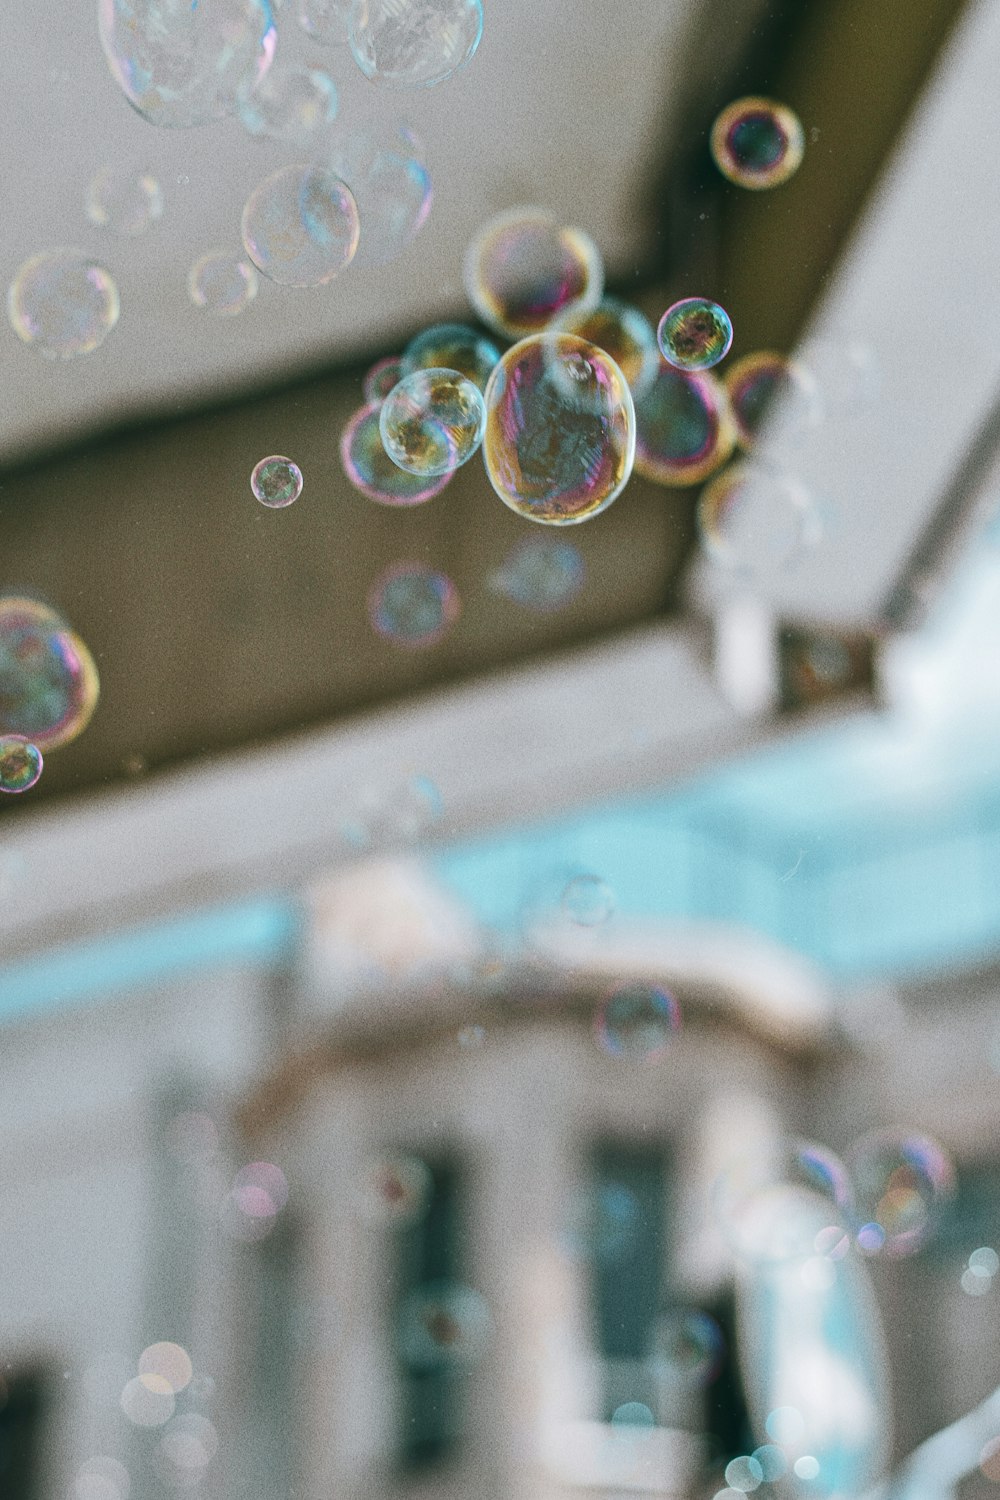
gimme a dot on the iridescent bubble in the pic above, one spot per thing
(48, 680)
(684, 430)
(765, 389)
(543, 574)
(432, 422)
(170, 1362)
(222, 284)
(757, 143)
(413, 44)
(412, 605)
(452, 346)
(392, 187)
(621, 331)
(588, 900)
(276, 481)
(689, 1344)
(290, 104)
(443, 1326)
(301, 226)
(903, 1184)
(755, 520)
(63, 303)
(772, 1203)
(126, 202)
(694, 334)
(324, 20)
(181, 63)
(524, 269)
(560, 429)
(637, 1022)
(382, 378)
(394, 1189)
(260, 1190)
(20, 763)
(370, 469)
(148, 1401)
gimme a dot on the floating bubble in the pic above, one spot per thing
(786, 1426)
(413, 44)
(148, 1401)
(20, 763)
(637, 1022)
(432, 422)
(690, 1347)
(412, 605)
(769, 390)
(452, 346)
(694, 334)
(276, 481)
(63, 303)
(187, 1447)
(542, 574)
(588, 900)
(170, 1362)
(324, 20)
(258, 1194)
(291, 104)
(903, 1185)
(560, 429)
(773, 1463)
(756, 520)
(48, 680)
(222, 284)
(771, 1204)
(632, 1414)
(985, 1262)
(181, 63)
(684, 430)
(744, 1474)
(372, 471)
(621, 331)
(301, 226)
(394, 1189)
(100, 1478)
(524, 269)
(382, 378)
(806, 1467)
(443, 1326)
(757, 143)
(392, 187)
(126, 202)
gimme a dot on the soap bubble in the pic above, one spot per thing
(773, 1462)
(744, 1474)
(187, 1447)
(324, 20)
(251, 1207)
(694, 334)
(452, 346)
(903, 1183)
(170, 1361)
(126, 202)
(387, 174)
(767, 390)
(370, 469)
(621, 331)
(394, 1189)
(301, 226)
(20, 763)
(222, 284)
(757, 143)
(588, 900)
(100, 1478)
(684, 430)
(432, 422)
(756, 520)
(443, 1326)
(382, 378)
(412, 605)
(560, 429)
(413, 44)
(182, 64)
(289, 104)
(774, 1204)
(276, 481)
(632, 1414)
(524, 269)
(48, 680)
(637, 1022)
(148, 1401)
(63, 303)
(542, 574)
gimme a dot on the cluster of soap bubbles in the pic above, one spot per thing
(772, 1461)
(49, 688)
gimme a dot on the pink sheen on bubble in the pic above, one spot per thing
(372, 472)
(413, 606)
(684, 429)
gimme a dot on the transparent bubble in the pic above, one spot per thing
(260, 1190)
(757, 143)
(684, 429)
(392, 187)
(694, 334)
(806, 1467)
(20, 763)
(222, 284)
(370, 469)
(689, 1346)
(768, 391)
(443, 1326)
(324, 20)
(753, 519)
(975, 1282)
(560, 429)
(291, 104)
(168, 1361)
(186, 1448)
(301, 226)
(432, 422)
(621, 331)
(632, 1414)
(637, 1022)
(903, 1184)
(413, 44)
(588, 900)
(382, 378)
(985, 1261)
(772, 1203)
(542, 574)
(276, 481)
(452, 346)
(772, 1461)
(182, 64)
(394, 1189)
(412, 605)
(524, 269)
(126, 202)
(100, 1478)
(62, 303)
(148, 1401)
(48, 680)
(744, 1474)
(785, 1425)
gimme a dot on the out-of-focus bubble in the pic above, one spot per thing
(412, 605)
(621, 331)
(772, 1461)
(755, 520)
(768, 390)
(524, 269)
(251, 1207)
(301, 226)
(688, 1346)
(757, 143)
(413, 44)
(432, 422)
(291, 104)
(632, 1414)
(126, 202)
(786, 1426)
(744, 1474)
(772, 1203)
(394, 1189)
(100, 1478)
(168, 1361)
(588, 900)
(684, 429)
(694, 334)
(382, 378)
(324, 20)
(985, 1262)
(471, 1038)
(903, 1184)
(560, 429)
(806, 1467)
(443, 1326)
(975, 1282)
(20, 763)
(542, 574)
(185, 1450)
(637, 1022)
(388, 176)
(181, 63)
(452, 346)
(148, 1401)
(276, 481)
(48, 680)
(222, 284)
(62, 303)
(989, 1460)
(370, 469)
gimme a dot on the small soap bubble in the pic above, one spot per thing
(588, 900)
(125, 202)
(222, 284)
(170, 1362)
(621, 331)
(524, 269)
(276, 481)
(187, 1447)
(301, 226)
(632, 1414)
(413, 44)
(382, 378)
(372, 472)
(62, 303)
(560, 429)
(806, 1467)
(432, 422)
(757, 143)
(772, 1461)
(689, 1347)
(392, 187)
(324, 20)
(49, 686)
(744, 1474)
(148, 1401)
(412, 605)
(291, 104)
(637, 1022)
(904, 1184)
(443, 1326)
(694, 334)
(771, 393)
(452, 346)
(543, 574)
(684, 429)
(394, 1189)
(20, 763)
(771, 1204)
(756, 520)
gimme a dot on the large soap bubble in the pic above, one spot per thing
(48, 680)
(289, 104)
(301, 226)
(62, 303)
(413, 44)
(684, 429)
(523, 270)
(388, 176)
(432, 422)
